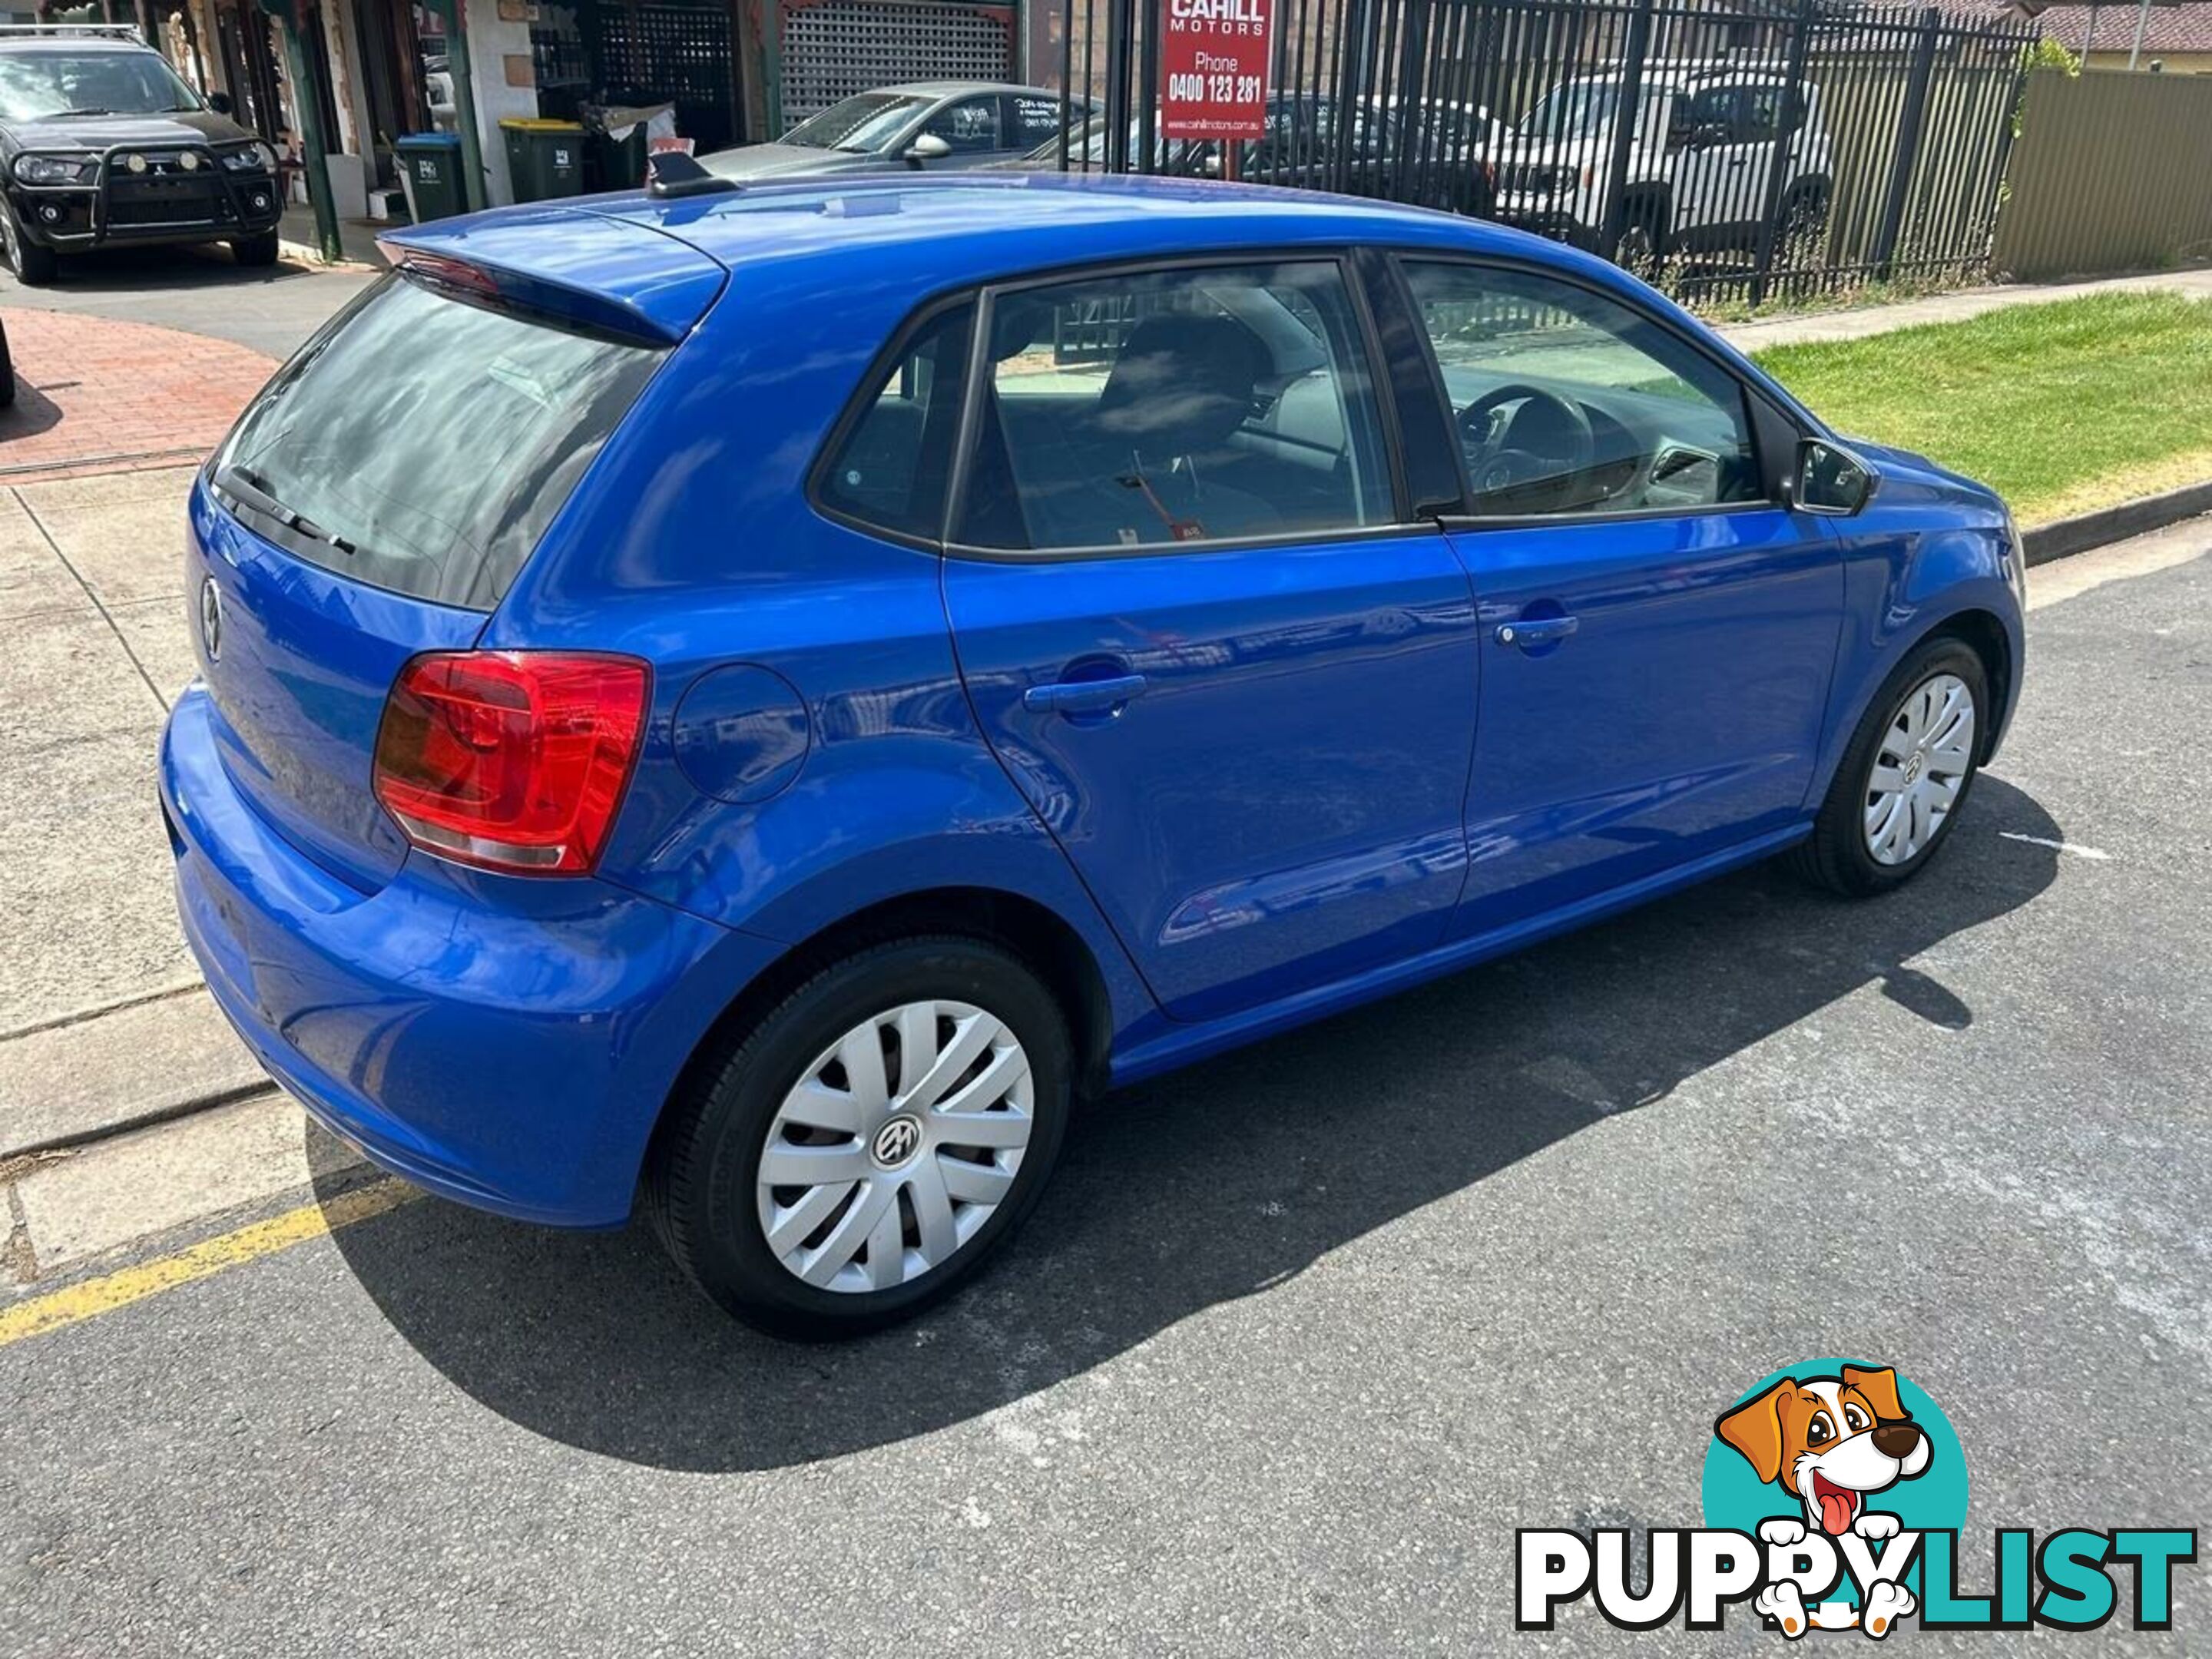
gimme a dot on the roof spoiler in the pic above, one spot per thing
(670, 173)
(529, 291)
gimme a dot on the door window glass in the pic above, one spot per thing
(1567, 402)
(889, 471)
(1148, 409)
(1710, 114)
(970, 126)
(1760, 114)
(1036, 120)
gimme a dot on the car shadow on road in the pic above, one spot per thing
(31, 413)
(130, 270)
(1212, 1184)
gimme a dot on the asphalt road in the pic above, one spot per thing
(1299, 1338)
(198, 290)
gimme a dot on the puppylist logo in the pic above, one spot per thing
(1834, 1493)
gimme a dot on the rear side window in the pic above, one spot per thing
(423, 442)
(889, 471)
(1153, 408)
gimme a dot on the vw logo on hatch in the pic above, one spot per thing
(211, 618)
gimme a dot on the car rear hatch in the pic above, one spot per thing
(380, 494)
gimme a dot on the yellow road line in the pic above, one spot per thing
(94, 1296)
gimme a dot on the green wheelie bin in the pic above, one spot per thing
(544, 159)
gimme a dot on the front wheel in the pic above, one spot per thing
(870, 1143)
(1637, 249)
(255, 252)
(35, 265)
(1906, 776)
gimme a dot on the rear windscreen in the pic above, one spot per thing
(423, 442)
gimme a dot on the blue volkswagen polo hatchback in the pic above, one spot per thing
(748, 704)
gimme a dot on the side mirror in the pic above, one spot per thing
(928, 148)
(1830, 480)
(219, 103)
(1706, 136)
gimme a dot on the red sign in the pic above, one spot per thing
(1213, 68)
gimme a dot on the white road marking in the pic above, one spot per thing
(2078, 851)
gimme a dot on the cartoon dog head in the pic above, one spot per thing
(1829, 1441)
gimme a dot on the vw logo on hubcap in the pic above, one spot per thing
(211, 618)
(897, 1141)
(1913, 768)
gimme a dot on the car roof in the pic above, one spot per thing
(789, 243)
(952, 88)
(985, 227)
(1671, 74)
(64, 41)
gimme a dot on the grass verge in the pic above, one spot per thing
(2062, 408)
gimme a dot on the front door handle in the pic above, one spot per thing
(1083, 696)
(1530, 632)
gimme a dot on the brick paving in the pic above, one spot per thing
(95, 394)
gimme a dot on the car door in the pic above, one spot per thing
(1706, 162)
(1237, 687)
(1658, 632)
(1760, 135)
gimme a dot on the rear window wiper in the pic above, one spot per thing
(245, 484)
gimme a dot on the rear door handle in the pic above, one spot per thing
(1541, 631)
(1083, 696)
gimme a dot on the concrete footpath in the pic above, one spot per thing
(104, 1026)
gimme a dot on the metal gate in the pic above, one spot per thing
(832, 49)
(1728, 152)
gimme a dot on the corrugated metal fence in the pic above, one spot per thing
(2112, 173)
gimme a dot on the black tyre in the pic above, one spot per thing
(1906, 777)
(35, 265)
(1804, 218)
(1639, 248)
(7, 373)
(870, 1143)
(255, 252)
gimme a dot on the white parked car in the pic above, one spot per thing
(1702, 148)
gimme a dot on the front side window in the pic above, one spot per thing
(891, 469)
(1567, 402)
(1148, 409)
(970, 126)
(38, 85)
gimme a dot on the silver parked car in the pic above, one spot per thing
(926, 124)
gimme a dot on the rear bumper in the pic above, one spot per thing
(503, 1041)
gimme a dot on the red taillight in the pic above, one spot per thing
(512, 760)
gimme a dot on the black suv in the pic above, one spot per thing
(101, 143)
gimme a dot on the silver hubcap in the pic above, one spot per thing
(895, 1146)
(1919, 768)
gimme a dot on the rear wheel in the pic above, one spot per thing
(867, 1145)
(1906, 776)
(1804, 216)
(255, 252)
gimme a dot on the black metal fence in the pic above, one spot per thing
(1728, 152)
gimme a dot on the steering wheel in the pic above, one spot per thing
(1534, 458)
